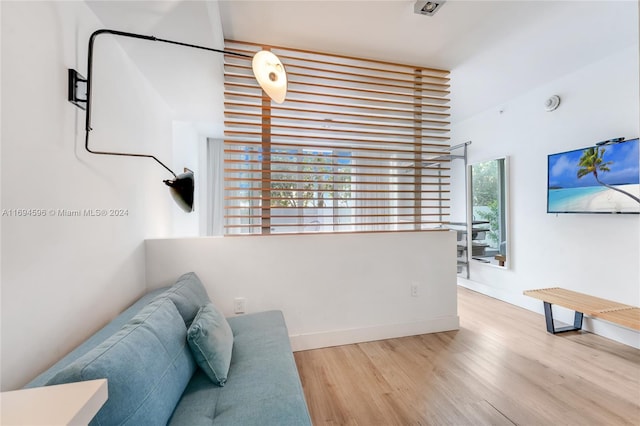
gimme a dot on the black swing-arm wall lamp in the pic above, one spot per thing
(267, 69)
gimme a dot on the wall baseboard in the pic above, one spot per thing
(601, 328)
(301, 342)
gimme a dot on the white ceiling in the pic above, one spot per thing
(496, 50)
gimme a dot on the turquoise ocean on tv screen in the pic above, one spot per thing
(562, 200)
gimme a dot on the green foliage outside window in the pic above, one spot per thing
(308, 185)
(485, 194)
(492, 217)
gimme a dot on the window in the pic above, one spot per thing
(358, 146)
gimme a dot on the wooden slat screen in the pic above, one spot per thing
(359, 145)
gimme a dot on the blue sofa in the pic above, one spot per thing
(153, 378)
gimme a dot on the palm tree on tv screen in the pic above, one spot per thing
(592, 161)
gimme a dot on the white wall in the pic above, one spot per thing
(333, 289)
(594, 254)
(186, 154)
(64, 277)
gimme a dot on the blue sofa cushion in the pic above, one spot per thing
(189, 295)
(211, 342)
(263, 386)
(147, 364)
(100, 336)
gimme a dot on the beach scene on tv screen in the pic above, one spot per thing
(599, 179)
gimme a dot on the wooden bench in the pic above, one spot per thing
(619, 313)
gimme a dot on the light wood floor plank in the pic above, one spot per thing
(500, 368)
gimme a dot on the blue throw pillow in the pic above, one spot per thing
(189, 295)
(211, 341)
(147, 365)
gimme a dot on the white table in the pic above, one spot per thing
(68, 404)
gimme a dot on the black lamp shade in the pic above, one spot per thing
(182, 190)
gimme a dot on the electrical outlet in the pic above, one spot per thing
(239, 305)
(414, 289)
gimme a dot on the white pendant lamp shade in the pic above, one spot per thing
(270, 74)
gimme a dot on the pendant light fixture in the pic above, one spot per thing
(267, 69)
(269, 72)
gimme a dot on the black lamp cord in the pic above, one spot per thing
(89, 82)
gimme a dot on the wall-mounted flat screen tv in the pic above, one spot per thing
(600, 179)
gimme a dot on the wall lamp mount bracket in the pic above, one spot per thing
(77, 92)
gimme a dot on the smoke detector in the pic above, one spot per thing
(552, 103)
(424, 7)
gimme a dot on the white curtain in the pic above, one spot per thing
(215, 215)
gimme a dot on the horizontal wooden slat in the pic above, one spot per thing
(403, 150)
(353, 168)
(424, 86)
(386, 120)
(333, 138)
(233, 123)
(338, 173)
(327, 121)
(363, 191)
(230, 216)
(409, 112)
(273, 225)
(262, 197)
(333, 156)
(338, 208)
(348, 97)
(254, 109)
(432, 212)
(395, 183)
(354, 89)
(351, 211)
(337, 158)
(362, 231)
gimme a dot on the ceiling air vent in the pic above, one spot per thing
(424, 7)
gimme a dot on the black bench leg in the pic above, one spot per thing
(548, 316)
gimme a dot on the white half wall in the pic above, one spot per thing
(65, 276)
(333, 289)
(593, 254)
